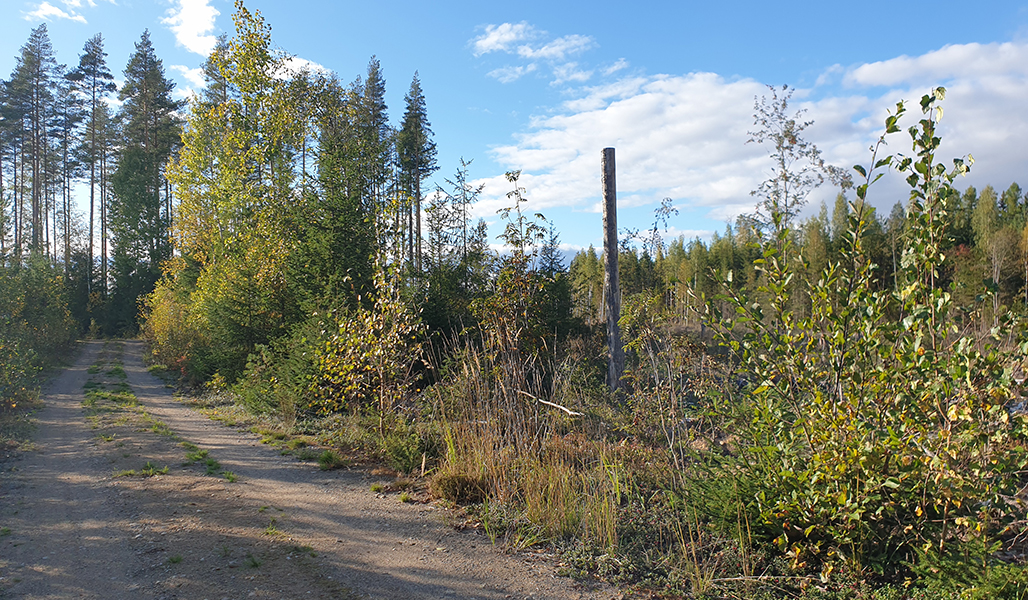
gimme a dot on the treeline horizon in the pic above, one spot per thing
(58, 132)
(987, 242)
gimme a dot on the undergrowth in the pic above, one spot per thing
(838, 439)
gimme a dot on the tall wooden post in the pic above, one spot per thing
(611, 285)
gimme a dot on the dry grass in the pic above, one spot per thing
(543, 479)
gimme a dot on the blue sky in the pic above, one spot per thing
(543, 87)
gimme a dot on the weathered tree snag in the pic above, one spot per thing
(611, 285)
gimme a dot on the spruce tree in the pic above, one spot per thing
(139, 208)
(376, 141)
(416, 153)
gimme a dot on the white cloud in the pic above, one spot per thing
(502, 37)
(617, 66)
(949, 62)
(830, 74)
(509, 74)
(678, 137)
(48, 12)
(294, 65)
(519, 39)
(672, 233)
(192, 22)
(193, 75)
(559, 48)
(569, 72)
(683, 136)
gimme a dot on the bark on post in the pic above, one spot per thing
(611, 285)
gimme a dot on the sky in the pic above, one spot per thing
(543, 87)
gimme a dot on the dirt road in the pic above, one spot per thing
(92, 513)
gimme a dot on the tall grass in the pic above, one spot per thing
(545, 479)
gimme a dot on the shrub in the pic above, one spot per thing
(35, 326)
(168, 325)
(370, 357)
(866, 442)
(17, 366)
(460, 488)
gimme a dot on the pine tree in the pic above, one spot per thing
(69, 116)
(11, 138)
(416, 154)
(94, 81)
(4, 137)
(30, 94)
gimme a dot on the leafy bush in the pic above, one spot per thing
(168, 324)
(371, 355)
(17, 366)
(866, 442)
(35, 325)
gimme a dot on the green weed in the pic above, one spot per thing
(330, 459)
(160, 428)
(213, 466)
(307, 453)
(150, 470)
(272, 528)
(195, 455)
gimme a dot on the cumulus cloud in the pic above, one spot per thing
(683, 136)
(48, 12)
(963, 61)
(193, 75)
(192, 22)
(675, 136)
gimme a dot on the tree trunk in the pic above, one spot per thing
(611, 284)
(417, 217)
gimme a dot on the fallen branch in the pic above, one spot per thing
(541, 401)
